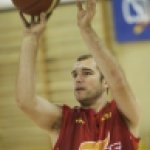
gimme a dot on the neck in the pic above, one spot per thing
(99, 103)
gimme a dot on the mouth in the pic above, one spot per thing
(80, 89)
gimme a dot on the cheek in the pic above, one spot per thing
(74, 84)
(94, 83)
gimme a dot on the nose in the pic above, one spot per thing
(79, 78)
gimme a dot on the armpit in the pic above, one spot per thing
(57, 124)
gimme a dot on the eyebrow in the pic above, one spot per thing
(83, 69)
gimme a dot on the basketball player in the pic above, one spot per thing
(97, 124)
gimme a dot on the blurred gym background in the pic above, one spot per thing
(60, 45)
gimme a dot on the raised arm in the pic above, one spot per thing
(42, 112)
(125, 99)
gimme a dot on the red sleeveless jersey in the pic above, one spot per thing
(82, 129)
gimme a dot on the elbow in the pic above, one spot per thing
(25, 102)
(23, 98)
(23, 105)
(19, 97)
(20, 102)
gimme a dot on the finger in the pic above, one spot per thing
(38, 20)
(25, 22)
(48, 15)
(79, 5)
(91, 4)
(87, 5)
(32, 19)
(42, 17)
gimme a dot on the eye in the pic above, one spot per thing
(87, 73)
(74, 75)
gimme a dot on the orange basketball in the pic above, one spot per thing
(35, 7)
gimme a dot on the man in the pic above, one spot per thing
(97, 124)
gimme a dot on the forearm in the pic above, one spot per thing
(25, 89)
(103, 57)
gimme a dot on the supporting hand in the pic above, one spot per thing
(35, 27)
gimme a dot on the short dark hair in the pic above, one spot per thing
(83, 57)
(87, 56)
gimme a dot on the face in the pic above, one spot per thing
(87, 84)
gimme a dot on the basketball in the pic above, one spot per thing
(35, 7)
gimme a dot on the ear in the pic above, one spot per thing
(105, 85)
